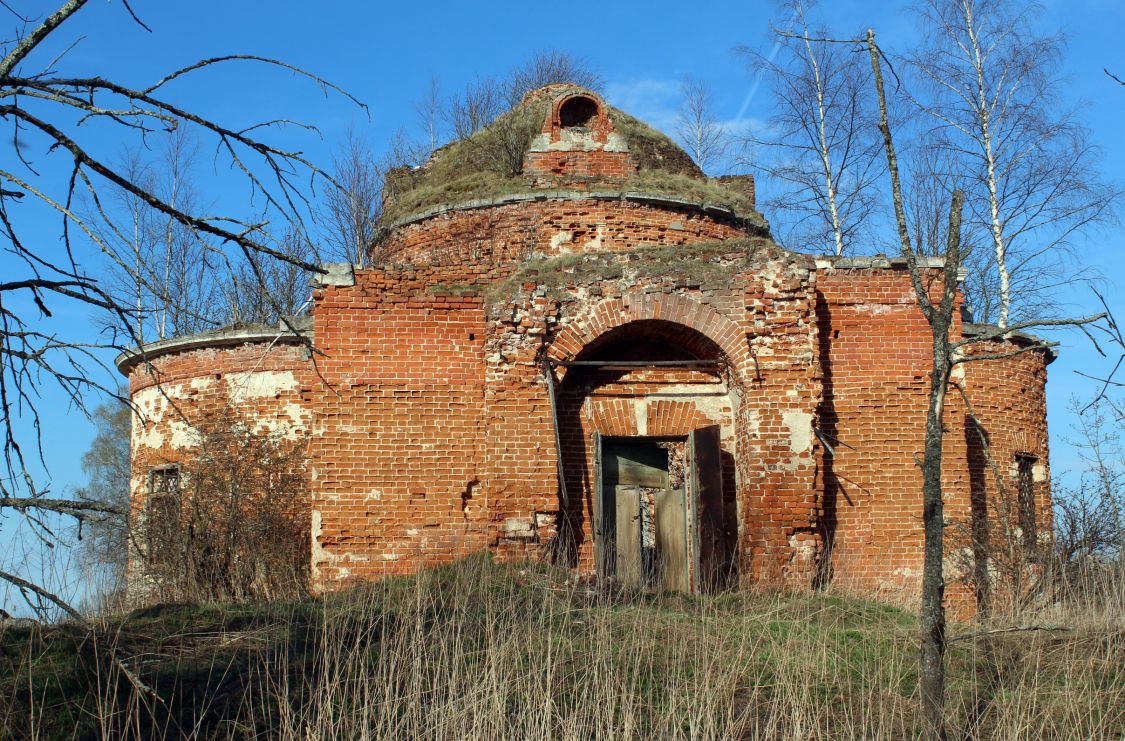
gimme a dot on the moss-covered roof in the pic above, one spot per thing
(489, 163)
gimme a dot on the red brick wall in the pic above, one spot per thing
(434, 434)
(397, 450)
(767, 346)
(515, 231)
(584, 156)
(1008, 399)
(876, 353)
(431, 427)
(574, 167)
(269, 385)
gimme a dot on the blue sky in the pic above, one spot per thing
(387, 53)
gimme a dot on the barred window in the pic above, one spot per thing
(162, 513)
(1025, 484)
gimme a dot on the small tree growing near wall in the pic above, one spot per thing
(232, 522)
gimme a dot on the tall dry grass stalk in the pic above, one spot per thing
(479, 650)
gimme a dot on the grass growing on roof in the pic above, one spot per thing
(710, 264)
(488, 164)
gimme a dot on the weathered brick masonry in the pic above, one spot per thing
(607, 318)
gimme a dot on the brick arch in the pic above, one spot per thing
(600, 125)
(613, 313)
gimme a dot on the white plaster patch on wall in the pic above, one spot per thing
(753, 421)
(259, 384)
(298, 413)
(150, 400)
(151, 437)
(279, 428)
(800, 430)
(596, 242)
(770, 273)
(876, 309)
(1039, 472)
(640, 410)
(710, 399)
(319, 554)
(558, 240)
(202, 382)
(183, 435)
(150, 405)
(955, 565)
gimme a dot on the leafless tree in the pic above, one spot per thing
(52, 114)
(260, 290)
(477, 106)
(946, 353)
(353, 206)
(428, 110)
(698, 128)
(230, 522)
(486, 98)
(1025, 162)
(103, 538)
(1092, 514)
(818, 145)
(550, 67)
(166, 271)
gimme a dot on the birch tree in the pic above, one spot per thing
(819, 146)
(947, 352)
(351, 209)
(698, 128)
(1024, 160)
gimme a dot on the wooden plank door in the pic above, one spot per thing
(671, 572)
(705, 502)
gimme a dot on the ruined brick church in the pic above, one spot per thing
(584, 349)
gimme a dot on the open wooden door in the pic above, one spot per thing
(705, 503)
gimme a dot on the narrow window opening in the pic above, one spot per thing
(577, 113)
(1025, 483)
(162, 515)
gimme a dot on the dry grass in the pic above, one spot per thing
(712, 264)
(489, 163)
(477, 650)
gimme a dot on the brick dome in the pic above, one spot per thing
(508, 157)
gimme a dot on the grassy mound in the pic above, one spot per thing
(478, 650)
(489, 164)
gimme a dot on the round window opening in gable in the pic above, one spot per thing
(577, 112)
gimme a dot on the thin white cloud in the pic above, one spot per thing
(654, 101)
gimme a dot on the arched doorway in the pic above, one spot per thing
(646, 429)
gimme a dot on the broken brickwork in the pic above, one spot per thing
(493, 326)
(254, 376)
(516, 228)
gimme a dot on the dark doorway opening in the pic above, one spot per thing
(577, 113)
(659, 511)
